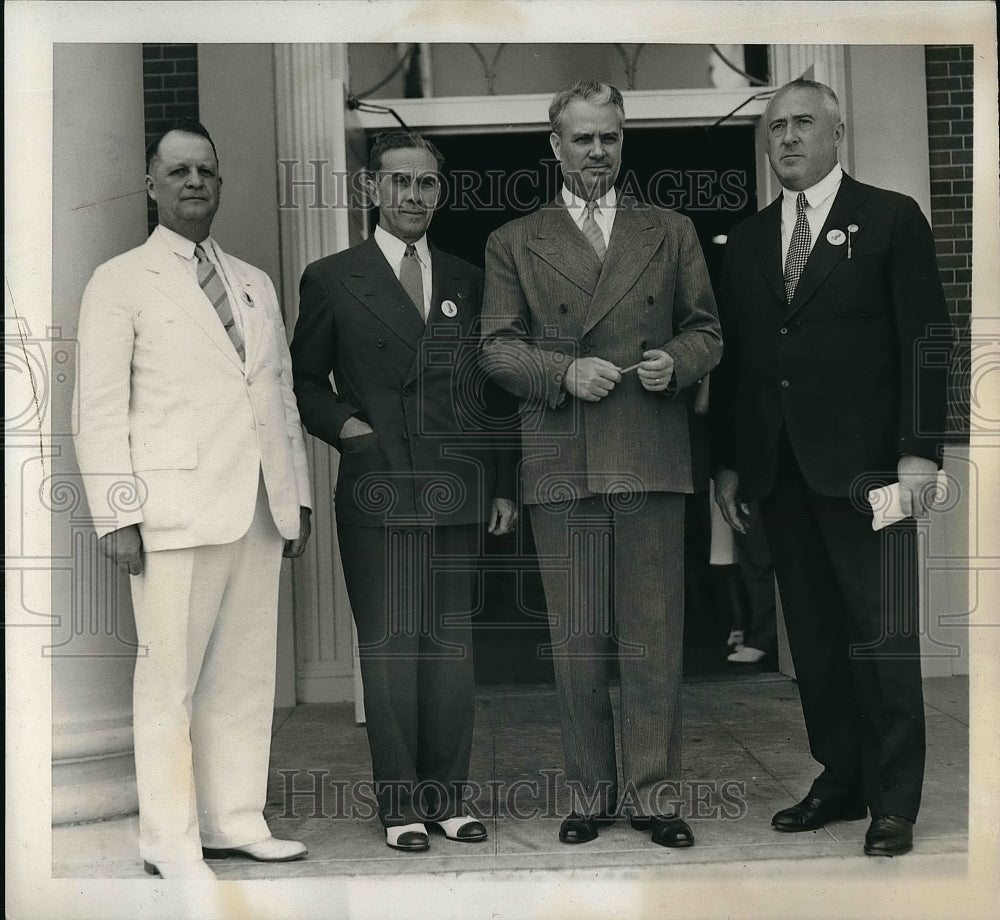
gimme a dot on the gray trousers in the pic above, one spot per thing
(620, 553)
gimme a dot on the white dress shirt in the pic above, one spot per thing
(819, 200)
(393, 248)
(604, 213)
(184, 248)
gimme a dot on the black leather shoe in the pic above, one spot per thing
(582, 828)
(670, 831)
(889, 836)
(813, 812)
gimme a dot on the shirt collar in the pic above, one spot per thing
(182, 245)
(818, 193)
(393, 248)
(607, 202)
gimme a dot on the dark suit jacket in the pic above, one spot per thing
(852, 367)
(433, 455)
(548, 301)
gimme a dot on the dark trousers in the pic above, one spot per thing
(757, 569)
(849, 596)
(412, 614)
(625, 550)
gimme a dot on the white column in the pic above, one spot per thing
(314, 222)
(98, 211)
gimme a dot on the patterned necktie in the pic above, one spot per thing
(798, 248)
(593, 233)
(215, 291)
(411, 277)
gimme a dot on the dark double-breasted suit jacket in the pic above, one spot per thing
(432, 456)
(412, 492)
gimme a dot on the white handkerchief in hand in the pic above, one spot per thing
(885, 502)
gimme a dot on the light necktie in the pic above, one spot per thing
(215, 291)
(798, 247)
(411, 277)
(593, 232)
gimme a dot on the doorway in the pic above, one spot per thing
(491, 177)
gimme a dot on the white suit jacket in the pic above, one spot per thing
(173, 430)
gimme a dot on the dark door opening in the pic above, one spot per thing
(491, 178)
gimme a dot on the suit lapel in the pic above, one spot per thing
(448, 283)
(168, 276)
(847, 209)
(768, 241)
(560, 243)
(373, 283)
(634, 239)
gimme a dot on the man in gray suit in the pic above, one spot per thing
(599, 315)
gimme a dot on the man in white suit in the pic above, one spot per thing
(186, 394)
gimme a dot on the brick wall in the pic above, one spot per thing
(170, 92)
(949, 125)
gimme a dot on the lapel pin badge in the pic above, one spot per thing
(449, 309)
(248, 298)
(851, 228)
(836, 237)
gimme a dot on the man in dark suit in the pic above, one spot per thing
(599, 316)
(396, 321)
(822, 395)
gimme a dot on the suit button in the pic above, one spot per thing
(650, 299)
(380, 343)
(783, 330)
(563, 308)
(407, 391)
(785, 384)
(586, 349)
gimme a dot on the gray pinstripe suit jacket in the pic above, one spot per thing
(548, 300)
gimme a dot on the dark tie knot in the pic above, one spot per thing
(801, 203)
(411, 251)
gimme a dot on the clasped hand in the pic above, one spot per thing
(591, 379)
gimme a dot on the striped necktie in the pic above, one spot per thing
(592, 232)
(215, 291)
(411, 276)
(798, 248)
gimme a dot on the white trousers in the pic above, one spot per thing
(203, 692)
